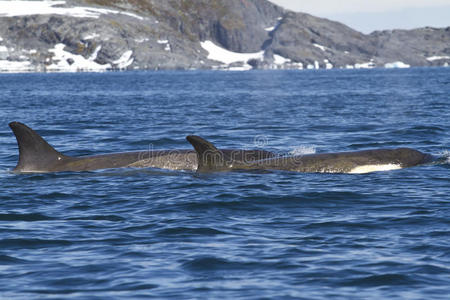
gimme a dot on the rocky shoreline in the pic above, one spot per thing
(102, 35)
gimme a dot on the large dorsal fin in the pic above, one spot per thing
(35, 154)
(209, 157)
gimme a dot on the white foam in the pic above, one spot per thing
(396, 65)
(228, 57)
(46, 7)
(374, 168)
(303, 150)
(445, 155)
(432, 58)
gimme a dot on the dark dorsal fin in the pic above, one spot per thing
(209, 157)
(35, 154)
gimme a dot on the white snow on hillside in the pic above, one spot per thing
(15, 66)
(26, 8)
(64, 61)
(323, 48)
(365, 65)
(433, 58)
(125, 60)
(396, 65)
(228, 57)
(280, 60)
(91, 36)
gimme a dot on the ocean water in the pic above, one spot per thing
(147, 233)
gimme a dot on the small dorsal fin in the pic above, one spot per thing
(35, 154)
(209, 157)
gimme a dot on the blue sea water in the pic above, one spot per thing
(146, 233)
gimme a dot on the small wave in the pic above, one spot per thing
(446, 154)
(443, 158)
(9, 260)
(382, 280)
(303, 150)
(208, 263)
(24, 217)
(112, 218)
(32, 243)
(191, 231)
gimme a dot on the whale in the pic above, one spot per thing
(36, 155)
(211, 159)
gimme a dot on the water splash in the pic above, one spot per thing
(303, 150)
(444, 156)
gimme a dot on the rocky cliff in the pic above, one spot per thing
(78, 35)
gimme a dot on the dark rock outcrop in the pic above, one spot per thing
(154, 34)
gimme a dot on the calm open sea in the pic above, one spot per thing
(143, 233)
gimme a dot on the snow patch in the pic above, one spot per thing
(433, 58)
(68, 62)
(26, 8)
(272, 28)
(15, 66)
(142, 40)
(167, 48)
(396, 65)
(125, 60)
(316, 65)
(323, 48)
(366, 65)
(228, 57)
(3, 49)
(280, 60)
(91, 36)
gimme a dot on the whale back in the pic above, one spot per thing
(211, 159)
(35, 154)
